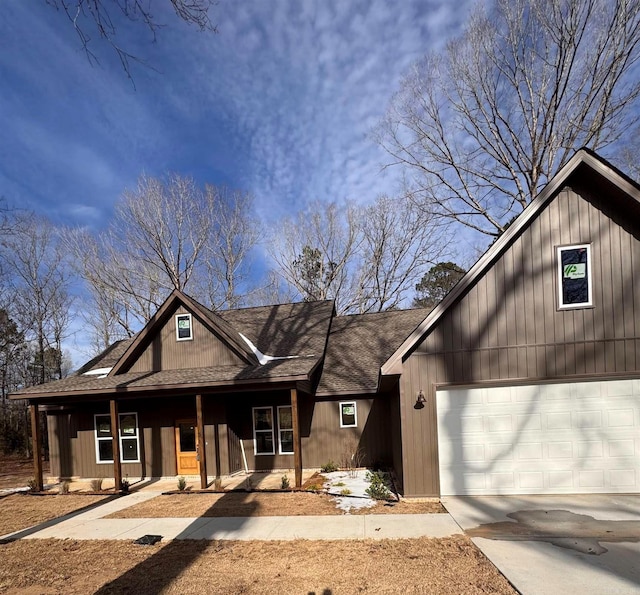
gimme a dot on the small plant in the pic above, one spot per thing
(32, 484)
(314, 487)
(352, 456)
(182, 484)
(96, 485)
(345, 492)
(329, 467)
(377, 489)
(284, 482)
(339, 484)
(124, 486)
(64, 487)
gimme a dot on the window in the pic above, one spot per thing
(285, 430)
(184, 331)
(574, 276)
(129, 442)
(263, 431)
(348, 417)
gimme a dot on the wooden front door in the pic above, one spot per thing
(187, 447)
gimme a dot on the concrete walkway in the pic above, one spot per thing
(91, 525)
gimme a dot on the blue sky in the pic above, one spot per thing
(280, 102)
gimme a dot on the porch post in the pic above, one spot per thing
(297, 442)
(36, 443)
(202, 457)
(115, 441)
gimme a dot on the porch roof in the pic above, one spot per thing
(298, 369)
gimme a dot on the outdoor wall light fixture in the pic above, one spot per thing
(420, 401)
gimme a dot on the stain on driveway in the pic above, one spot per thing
(562, 528)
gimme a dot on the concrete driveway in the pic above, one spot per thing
(557, 544)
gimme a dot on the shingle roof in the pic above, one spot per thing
(286, 329)
(353, 352)
(193, 377)
(359, 344)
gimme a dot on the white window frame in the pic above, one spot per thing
(355, 414)
(589, 302)
(255, 432)
(190, 337)
(99, 439)
(280, 430)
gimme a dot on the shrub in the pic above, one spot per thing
(64, 487)
(329, 467)
(345, 492)
(284, 482)
(124, 486)
(352, 456)
(377, 489)
(314, 487)
(32, 484)
(96, 485)
(339, 484)
(182, 484)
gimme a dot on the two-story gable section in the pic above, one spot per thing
(530, 366)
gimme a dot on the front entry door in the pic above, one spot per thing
(187, 447)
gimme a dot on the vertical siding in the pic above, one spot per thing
(166, 353)
(508, 326)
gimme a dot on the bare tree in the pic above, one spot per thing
(234, 234)
(482, 126)
(91, 18)
(40, 280)
(399, 242)
(368, 258)
(166, 234)
(315, 252)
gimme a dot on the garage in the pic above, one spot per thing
(540, 438)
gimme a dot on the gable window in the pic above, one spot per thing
(184, 329)
(348, 414)
(129, 438)
(285, 430)
(263, 439)
(574, 276)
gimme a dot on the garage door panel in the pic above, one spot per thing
(562, 438)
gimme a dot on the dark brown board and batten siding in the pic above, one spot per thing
(508, 328)
(165, 352)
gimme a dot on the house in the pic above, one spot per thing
(524, 379)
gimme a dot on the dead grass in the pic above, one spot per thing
(20, 511)
(442, 566)
(15, 472)
(244, 504)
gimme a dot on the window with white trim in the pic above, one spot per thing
(574, 276)
(348, 414)
(263, 438)
(129, 438)
(285, 430)
(184, 328)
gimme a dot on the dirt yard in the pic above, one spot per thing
(243, 504)
(442, 566)
(20, 511)
(15, 472)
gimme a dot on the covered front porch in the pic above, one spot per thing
(207, 435)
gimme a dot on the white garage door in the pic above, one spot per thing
(552, 438)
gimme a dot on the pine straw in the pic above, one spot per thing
(20, 511)
(244, 504)
(442, 566)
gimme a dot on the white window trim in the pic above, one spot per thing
(280, 430)
(98, 439)
(190, 337)
(273, 438)
(589, 302)
(355, 416)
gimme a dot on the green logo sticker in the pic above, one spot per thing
(575, 271)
